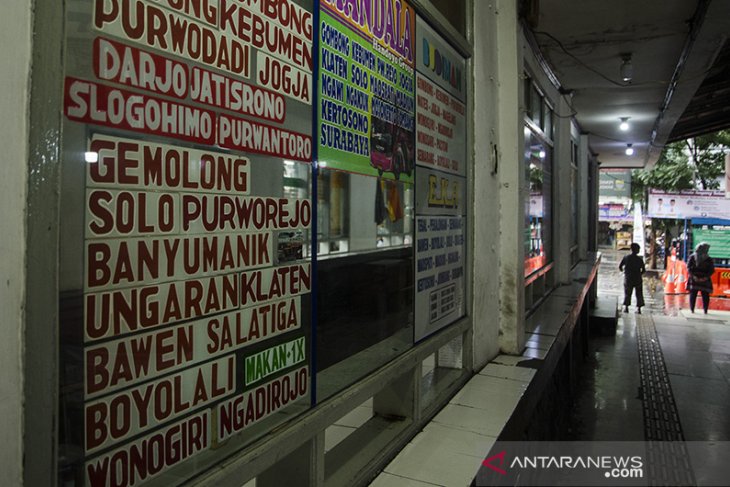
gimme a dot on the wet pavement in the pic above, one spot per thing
(663, 375)
(620, 397)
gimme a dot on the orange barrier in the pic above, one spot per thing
(721, 282)
(676, 279)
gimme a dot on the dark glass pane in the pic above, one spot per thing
(455, 12)
(365, 308)
(365, 276)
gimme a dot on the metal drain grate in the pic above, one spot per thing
(667, 453)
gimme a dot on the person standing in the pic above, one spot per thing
(633, 268)
(700, 267)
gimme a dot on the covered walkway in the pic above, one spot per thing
(664, 375)
(353, 244)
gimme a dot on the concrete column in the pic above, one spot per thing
(562, 194)
(511, 180)
(484, 212)
(40, 377)
(15, 35)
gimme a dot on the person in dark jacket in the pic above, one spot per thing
(633, 267)
(700, 267)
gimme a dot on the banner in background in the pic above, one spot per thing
(638, 237)
(614, 212)
(536, 207)
(688, 204)
(614, 183)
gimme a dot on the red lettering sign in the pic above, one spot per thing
(147, 457)
(119, 263)
(242, 411)
(129, 163)
(225, 92)
(249, 136)
(128, 413)
(119, 63)
(93, 103)
(122, 311)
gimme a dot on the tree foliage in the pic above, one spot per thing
(694, 163)
(707, 155)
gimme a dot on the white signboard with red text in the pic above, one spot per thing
(689, 204)
(185, 281)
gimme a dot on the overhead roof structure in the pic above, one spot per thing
(680, 56)
(709, 109)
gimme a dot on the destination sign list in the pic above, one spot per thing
(192, 328)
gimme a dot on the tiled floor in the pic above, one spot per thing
(452, 446)
(696, 350)
(697, 354)
(454, 462)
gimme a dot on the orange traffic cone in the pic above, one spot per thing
(670, 274)
(681, 277)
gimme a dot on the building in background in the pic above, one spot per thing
(615, 207)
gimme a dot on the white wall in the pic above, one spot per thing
(15, 37)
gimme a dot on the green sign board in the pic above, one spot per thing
(615, 183)
(366, 112)
(719, 241)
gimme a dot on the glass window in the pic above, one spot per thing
(184, 258)
(536, 106)
(547, 122)
(455, 12)
(208, 271)
(343, 202)
(365, 278)
(538, 202)
(366, 253)
(574, 206)
(574, 187)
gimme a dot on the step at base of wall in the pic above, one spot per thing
(604, 316)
